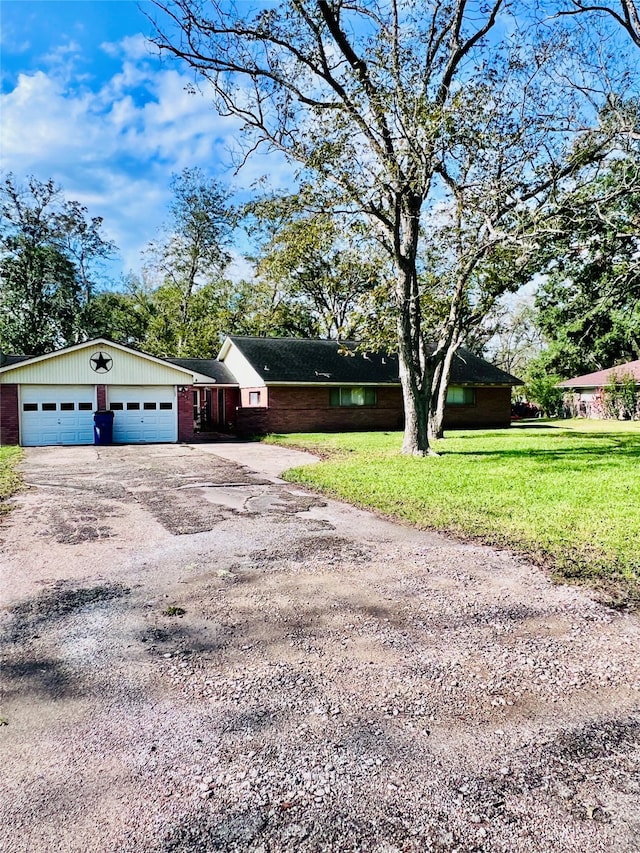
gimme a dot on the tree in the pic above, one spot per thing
(588, 306)
(49, 252)
(624, 12)
(121, 315)
(400, 113)
(185, 268)
(541, 388)
(318, 261)
(514, 340)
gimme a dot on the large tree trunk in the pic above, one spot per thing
(415, 376)
(439, 388)
(416, 405)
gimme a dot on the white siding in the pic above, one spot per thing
(74, 368)
(240, 367)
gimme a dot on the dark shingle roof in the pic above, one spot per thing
(211, 367)
(6, 360)
(470, 369)
(298, 360)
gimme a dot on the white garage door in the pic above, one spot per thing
(56, 414)
(143, 413)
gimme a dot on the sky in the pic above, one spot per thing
(85, 100)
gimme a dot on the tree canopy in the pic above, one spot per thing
(588, 305)
(406, 116)
(49, 252)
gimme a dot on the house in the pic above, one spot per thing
(584, 393)
(255, 386)
(298, 385)
(51, 398)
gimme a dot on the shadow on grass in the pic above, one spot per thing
(570, 445)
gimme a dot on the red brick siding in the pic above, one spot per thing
(9, 418)
(252, 421)
(308, 410)
(101, 396)
(185, 413)
(492, 409)
(297, 409)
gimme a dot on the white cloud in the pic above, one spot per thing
(114, 146)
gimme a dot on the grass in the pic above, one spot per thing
(565, 494)
(9, 479)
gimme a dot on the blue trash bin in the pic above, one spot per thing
(103, 427)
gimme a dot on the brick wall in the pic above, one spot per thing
(252, 421)
(101, 396)
(492, 409)
(308, 410)
(9, 419)
(185, 414)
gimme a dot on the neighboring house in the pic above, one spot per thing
(256, 385)
(585, 392)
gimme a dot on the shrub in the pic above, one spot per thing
(620, 399)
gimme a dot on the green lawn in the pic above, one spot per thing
(9, 479)
(565, 494)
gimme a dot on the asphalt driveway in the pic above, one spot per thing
(197, 656)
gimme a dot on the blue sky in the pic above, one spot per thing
(87, 102)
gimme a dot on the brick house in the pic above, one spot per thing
(583, 394)
(51, 398)
(298, 385)
(255, 386)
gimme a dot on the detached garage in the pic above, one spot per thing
(51, 399)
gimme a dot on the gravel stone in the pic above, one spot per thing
(336, 682)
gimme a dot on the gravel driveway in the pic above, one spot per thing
(199, 657)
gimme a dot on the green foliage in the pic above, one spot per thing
(186, 288)
(564, 497)
(173, 610)
(588, 309)
(49, 254)
(621, 397)
(540, 388)
(121, 316)
(10, 480)
(324, 264)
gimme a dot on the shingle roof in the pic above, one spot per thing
(470, 369)
(298, 360)
(601, 377)
(211, 367)
(6, 360)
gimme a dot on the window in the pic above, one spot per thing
(133, 407)
(165, 406)
(85, 407)
(67, 407)
(457, 396)
(116, 407)
(29, 407)
(48, 407)
(148, 407)
(353, 397)
(254, 398)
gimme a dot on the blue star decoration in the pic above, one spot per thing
(101, 362)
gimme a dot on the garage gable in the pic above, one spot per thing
(96, 362)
